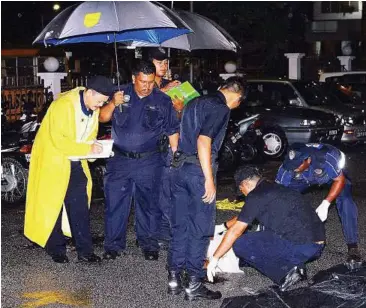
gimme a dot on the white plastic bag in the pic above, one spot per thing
(228, 263)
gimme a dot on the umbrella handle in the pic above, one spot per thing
(115, 52)
(117, 74)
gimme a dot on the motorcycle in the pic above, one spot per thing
(243, 143)
(15, 157)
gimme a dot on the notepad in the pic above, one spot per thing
(184, 91)
(107, 151)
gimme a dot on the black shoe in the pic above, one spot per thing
(60, 258)
(295, 275)
(196, 290)
(164, 245)
(174, 283)
(111, 255)
(353, 259)
(151, 255)
(93, 258)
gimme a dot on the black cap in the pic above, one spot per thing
(102, 85)
(246, 172)
(158, 53)
(295, 156)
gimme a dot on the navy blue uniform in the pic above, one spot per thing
(327, 163)
(135, 170)
(292, 230)
(193, 221)
(165, 200)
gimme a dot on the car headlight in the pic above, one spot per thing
(310, 122)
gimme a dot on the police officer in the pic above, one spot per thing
(160, 58)
(135, 170)
(306, 165)
(202, 131)
(293, 233)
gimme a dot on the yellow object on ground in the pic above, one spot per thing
(229, 206)
(50, 168)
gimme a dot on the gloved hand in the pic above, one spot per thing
(322, 210)
(219, 229)
(211, 268)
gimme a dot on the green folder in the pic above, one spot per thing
(184, 91)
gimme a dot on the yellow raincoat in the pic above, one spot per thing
(50, 167)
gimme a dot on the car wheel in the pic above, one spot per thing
(14, 178)
(275, 142)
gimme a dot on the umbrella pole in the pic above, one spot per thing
(117, 68)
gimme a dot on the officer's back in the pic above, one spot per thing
(206, 115)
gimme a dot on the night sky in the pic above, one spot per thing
(21, 21)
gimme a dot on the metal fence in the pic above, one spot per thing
(17, 100)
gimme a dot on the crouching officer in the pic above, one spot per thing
(293, 233)
(306, 165)
(202, 131)
(134, 172)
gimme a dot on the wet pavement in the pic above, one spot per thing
(31, 279)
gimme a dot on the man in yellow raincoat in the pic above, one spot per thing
(68, 129)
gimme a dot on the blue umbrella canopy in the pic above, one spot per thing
(111, 21)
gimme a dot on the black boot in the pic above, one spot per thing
(296, 274)
(174, 283)
(196, 290)
(354, 260)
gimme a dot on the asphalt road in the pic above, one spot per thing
(31, 279)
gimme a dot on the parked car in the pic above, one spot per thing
(310, 95)
(353, 80)
(283, 123)
(344, 95)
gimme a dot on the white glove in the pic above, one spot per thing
(219, 229)
(211, 268)
(322, 210)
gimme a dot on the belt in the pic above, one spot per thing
(134, 155)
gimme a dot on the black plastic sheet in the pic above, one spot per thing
(332, 288)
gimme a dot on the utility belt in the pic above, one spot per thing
(134, 155)
(180, 158)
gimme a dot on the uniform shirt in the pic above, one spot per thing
(208, 116)
(142, 122)
(326, 164)
(163, 83)
(283, 211)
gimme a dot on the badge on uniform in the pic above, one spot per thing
(318, 171)
(291, 154)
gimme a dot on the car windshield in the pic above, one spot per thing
(314, 95)
(342, 93)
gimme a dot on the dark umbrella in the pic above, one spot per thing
(109, 21)
(112, 21)
(206, 35)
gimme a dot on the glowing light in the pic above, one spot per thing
(342, 161)
(56, 7)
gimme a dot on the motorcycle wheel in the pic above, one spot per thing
(275, 142)
(227, 158)
(14, 178)
(247, 153)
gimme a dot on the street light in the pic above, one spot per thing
(56, 7)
